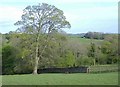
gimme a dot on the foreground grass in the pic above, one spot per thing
(62, 79)
(0, 80)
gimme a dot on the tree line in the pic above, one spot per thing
(94, 35)
(61, 51)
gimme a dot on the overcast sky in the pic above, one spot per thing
(83, 15)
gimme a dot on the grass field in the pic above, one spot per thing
(62, 79)
(86, 41)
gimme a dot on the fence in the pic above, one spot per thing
(102, 68)
(82, 69)
(64, 70)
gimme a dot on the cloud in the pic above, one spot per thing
(96, 13)
(90, 18)
(9, 13)
(84, 1)
(8, 16)
(78, 12)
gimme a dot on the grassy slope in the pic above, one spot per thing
(62, 79)
(87, 41)
(84, 43)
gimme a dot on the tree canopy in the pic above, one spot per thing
(40, 20)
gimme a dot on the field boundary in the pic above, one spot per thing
(102, 68)
(81, 69)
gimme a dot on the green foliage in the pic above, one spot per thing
(8, 57)
(110, 48)
(69, 59)
(62, 51)
(84, 61)
(101, 58)
(91, 50)
(23, 66)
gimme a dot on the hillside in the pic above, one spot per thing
(86, 41)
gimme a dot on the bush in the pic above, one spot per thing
(84, 60)
(8, 58)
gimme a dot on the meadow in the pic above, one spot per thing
(110, 78)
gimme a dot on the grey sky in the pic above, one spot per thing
(83, 15)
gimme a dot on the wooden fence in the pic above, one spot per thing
(102, 68)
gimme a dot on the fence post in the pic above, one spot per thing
(88, 68)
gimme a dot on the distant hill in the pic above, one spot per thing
(92, 35)
(77, 35)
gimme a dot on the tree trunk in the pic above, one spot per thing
(36, 56)
(35, 67)
(36, 61)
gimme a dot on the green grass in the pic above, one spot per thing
(62, 79)
(86, 41)
(0, 81)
